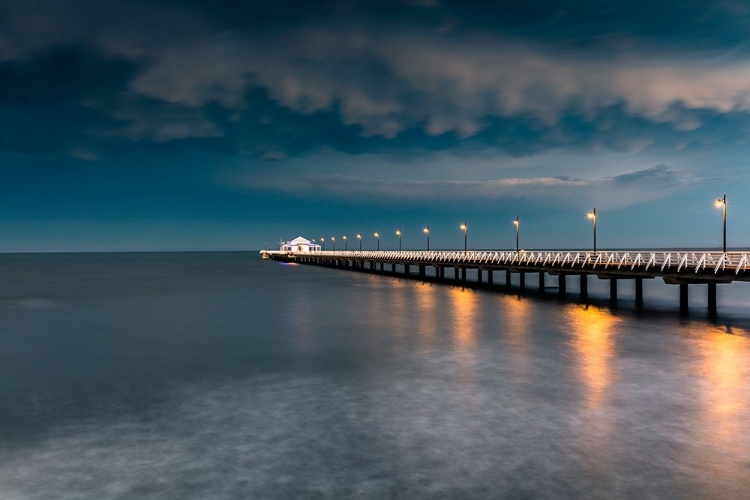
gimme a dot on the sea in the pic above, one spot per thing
(222, 376)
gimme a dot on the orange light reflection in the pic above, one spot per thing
(593, 332)
(424, 319)
(517, 323)
(721, 439)
(463, 307)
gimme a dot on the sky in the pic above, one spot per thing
(229, 125)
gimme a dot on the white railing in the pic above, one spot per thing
(663, 261)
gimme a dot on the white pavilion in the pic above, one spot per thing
(300, 245)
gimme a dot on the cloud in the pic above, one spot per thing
(440, 179)
(84, 154)
(161, 122)
(388, 81)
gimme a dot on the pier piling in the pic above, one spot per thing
(712, 298)
(683, 298)
(639, 292)
(584, 287)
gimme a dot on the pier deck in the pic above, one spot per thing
(680, 267)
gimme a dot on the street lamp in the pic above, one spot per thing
(333, 240)
(377, 237)
(722, 203)
(359, 237)
(516, 223)
(323, 243)
(346, 244)
(463, 228)
(427, 232)
(592, 215)
(398, 233)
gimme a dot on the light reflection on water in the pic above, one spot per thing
(592, 333)
(721, 422)
(212, 376)
(424, 313)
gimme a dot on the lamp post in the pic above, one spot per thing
(427, 232)
(346, 244)
(359, 237)
(377, 237)
(333, 241)
(398, 233)
(592, 215)
(463, 228)
(722, 202)
(516, 223)
(323, 243)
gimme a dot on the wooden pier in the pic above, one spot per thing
(682, 268)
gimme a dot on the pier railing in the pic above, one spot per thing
(675, 267)
(656, 262)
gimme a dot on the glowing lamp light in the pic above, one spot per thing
(722, 203)
(592, 215)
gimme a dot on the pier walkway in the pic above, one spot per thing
(680, 267)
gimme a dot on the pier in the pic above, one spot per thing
(680, 268)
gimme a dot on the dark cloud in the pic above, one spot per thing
(280, 79)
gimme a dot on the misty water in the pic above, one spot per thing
(221, 376)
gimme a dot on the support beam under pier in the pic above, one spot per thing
(683, 298)
(562, 286)
(489, 277)
(507, 279)
(639, 292)
(479, 276)
(522, 281)
(712, 298)
(541, 282)
(613, 292)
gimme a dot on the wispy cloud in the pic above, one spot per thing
(612, 191)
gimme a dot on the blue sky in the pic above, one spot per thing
(225, 125)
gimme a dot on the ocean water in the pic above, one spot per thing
(221, 376)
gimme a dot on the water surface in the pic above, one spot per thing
(217, 375)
